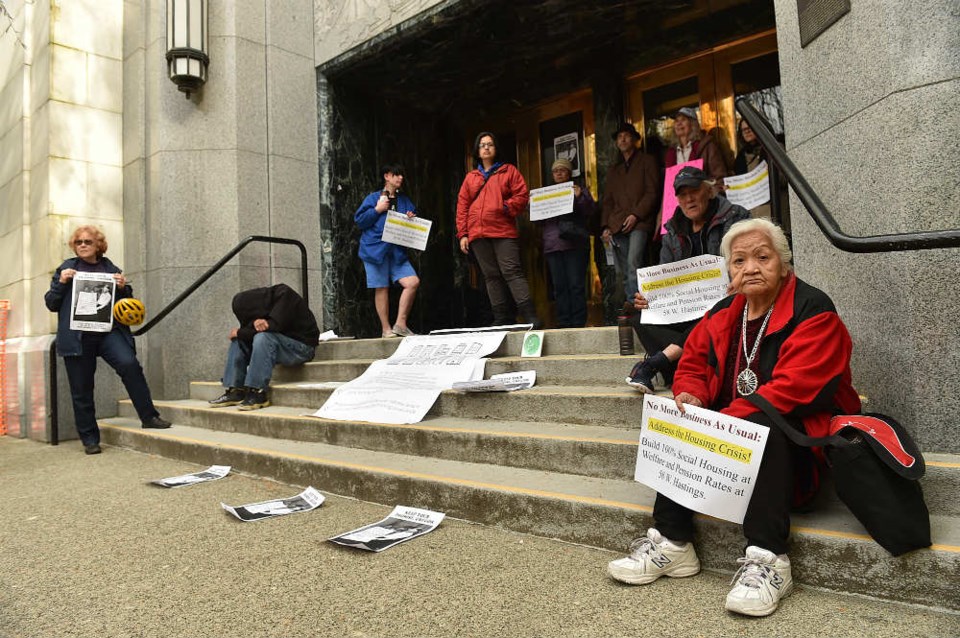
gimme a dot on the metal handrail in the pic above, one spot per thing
(305, 289)
(821, 215)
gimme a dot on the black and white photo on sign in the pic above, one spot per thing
(568, 147)
(401, 525)
(307, 500)
(91, 302)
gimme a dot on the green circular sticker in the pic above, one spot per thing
(531, 344)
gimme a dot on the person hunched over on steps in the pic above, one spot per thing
(276, 327)
(490, 199)
(697, 227)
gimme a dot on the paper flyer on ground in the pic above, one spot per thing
(683, 290)
(91, 303)
(703, 460)
(506, 382)
(411, 232)
(307, 500)
(212, 473)
(750, 189)
(551, 201)
(401, 525)
(403, 388)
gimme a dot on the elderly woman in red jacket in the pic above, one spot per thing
(490, 199)
(782, 339)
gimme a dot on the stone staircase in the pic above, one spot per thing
(556, 460)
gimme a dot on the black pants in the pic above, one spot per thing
(767, 521)
(502, 268)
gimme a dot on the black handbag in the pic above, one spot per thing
(875, 466)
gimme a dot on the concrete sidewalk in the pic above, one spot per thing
(89, 549)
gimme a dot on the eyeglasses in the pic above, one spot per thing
(487, 145)
(83, 242)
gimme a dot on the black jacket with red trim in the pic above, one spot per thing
(804, 358)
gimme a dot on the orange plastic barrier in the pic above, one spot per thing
(4, 310)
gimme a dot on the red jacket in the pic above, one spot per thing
(490, 209)
(706, 149)
(804, 358)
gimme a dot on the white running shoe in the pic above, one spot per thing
(762, 580)
(653, 556)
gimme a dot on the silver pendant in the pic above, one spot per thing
(747, 382)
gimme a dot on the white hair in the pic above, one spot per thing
(765, 226)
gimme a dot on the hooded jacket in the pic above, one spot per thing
(804, 358)
(372, 247)
(488, 207)
(285, 311)
(677, 244)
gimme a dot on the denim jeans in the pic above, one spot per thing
(81, 371)
(568, 272)
(631, 252)
(251, 365)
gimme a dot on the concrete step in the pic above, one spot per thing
(614, 407)
(830, 549)
(556, 342)
(586, 450)
(566, 369)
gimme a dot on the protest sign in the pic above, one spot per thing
(401, 525)
(551, 201)
(568, 147)
(682, 290)
(403, 388)
(91, 303)
(703, 460)
(307, 500)
(212, 473)
(401, 230)
(750, 189)
(669, 195)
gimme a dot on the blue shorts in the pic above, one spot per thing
(382, 275)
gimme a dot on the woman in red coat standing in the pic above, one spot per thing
(491, 197)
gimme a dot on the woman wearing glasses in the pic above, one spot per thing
(490, 199)
(80, 349)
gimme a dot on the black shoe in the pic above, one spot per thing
(641, 377)
(92, 449)
(156, 423)
(233, 396)
(256, 399)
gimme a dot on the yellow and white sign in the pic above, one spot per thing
(551, 201)
(704, 460)
(411, 232)
(750, 189)
(683, 290)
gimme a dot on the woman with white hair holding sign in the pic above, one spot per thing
(782, 339)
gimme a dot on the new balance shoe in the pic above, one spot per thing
(762, 580)
(255, 399)
(653, 556)
(232, 396)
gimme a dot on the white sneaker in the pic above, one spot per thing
(654, 556)
(762, 580)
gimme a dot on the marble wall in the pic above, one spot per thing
(868, 106)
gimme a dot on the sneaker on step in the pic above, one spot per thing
(653, 556)
(762, 580)
(403, 331)
(641, 377)
(232, 396)
(255, 399)
(156, 423)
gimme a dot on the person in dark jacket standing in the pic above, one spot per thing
(383, 262)
(696, 228)
(80, 349)
(567, 249)
(491, 198)
(276, 327)
(629, 205)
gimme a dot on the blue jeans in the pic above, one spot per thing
(631, 252)
(251, 365)
(81, 371)
(568, 272)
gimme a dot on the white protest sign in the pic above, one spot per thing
(750, 189)
(683, 290)
(551, 201)
(411, 232)
(703, 460)
(91, 302)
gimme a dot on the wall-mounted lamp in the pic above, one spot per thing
(187, 45)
